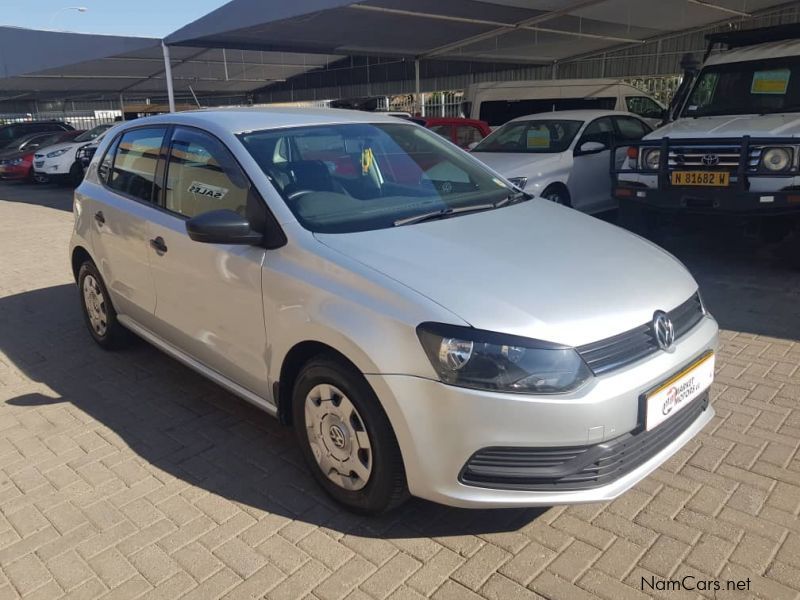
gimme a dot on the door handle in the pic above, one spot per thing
(100, 218)
(158, 245)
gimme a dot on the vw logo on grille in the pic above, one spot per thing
(710, 160)
(663, 329)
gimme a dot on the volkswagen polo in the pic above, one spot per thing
(425, 326)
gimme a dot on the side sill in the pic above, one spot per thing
(199, 367)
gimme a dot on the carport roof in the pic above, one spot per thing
(51, 64)
(507, 31)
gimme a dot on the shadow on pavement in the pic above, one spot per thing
(48, 195)
(748, 285)
(191, 429)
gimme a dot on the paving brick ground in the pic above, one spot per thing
(126, 475)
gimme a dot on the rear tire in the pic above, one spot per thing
(346, 438)
(98, 312)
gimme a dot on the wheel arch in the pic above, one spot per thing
(79, 256)
(297, 356)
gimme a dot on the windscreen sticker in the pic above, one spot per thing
(770, 82)
(538, 138)
(204, 189)
(367, 157)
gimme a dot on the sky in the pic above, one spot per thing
(146, 18)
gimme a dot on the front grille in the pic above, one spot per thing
(728, 157)
(579, 467)
(626, 348)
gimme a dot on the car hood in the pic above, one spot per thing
(54, 147)
(786, 124)
(511, 164)
(534, 269)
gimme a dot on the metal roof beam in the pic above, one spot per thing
(497, 24)
(561, 12)
(732, 11)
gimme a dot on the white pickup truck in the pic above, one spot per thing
(733, 146)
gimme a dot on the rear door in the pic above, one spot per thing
(209, 295)
(120, 208)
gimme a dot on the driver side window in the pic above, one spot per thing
(601, 131)
(202, 175)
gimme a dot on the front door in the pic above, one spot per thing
(209, 295)
(590, 179)
(119, 209)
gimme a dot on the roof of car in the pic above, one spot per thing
(582, 115)
(240, 120)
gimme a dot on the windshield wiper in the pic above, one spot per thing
(446, 212)
(443, 213)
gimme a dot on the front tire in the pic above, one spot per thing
(346, 437)
(557, 194)
(75, 176)
(98, 312)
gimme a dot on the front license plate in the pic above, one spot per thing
(673, 395)
(703, 178)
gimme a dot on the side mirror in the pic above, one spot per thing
(471, 146)
(222, 227)
(591, 148)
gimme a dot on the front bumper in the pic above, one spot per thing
(440, 427)
(710, 200)
(14, 171)
(54, 167)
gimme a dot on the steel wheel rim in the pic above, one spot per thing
(338, 437)
(95, 303)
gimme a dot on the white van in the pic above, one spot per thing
(498, 102)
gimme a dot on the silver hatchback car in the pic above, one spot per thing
(425, 326)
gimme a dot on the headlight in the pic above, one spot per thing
(520, 182)
(57, 153)
(16, 161)
(484, 360)
(651, 159)
(776, 159)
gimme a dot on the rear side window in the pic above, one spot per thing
(442, 130)
(644, 107)
(133, 171)
(467, 134)
(497, 112)
(105, 166)
(202, 175)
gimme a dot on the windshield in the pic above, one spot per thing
(536, 137)
(358, 177)
(88, 136)
(753, 87)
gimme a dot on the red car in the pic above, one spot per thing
(16, 160)
(462, 132)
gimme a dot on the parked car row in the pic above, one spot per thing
(42, 151)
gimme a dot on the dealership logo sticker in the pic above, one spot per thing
(204, 189)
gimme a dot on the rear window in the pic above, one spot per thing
(498, 112)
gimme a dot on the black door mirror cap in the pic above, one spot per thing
(222, 227)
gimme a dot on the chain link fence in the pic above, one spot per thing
(78, 119)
